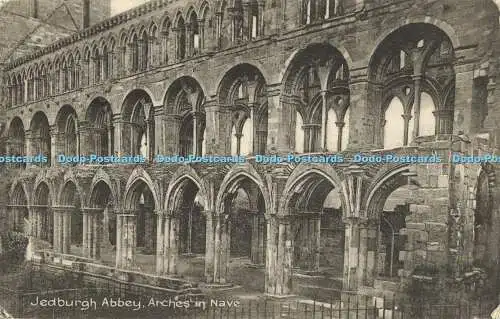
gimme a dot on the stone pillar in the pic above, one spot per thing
(360, 250)
(169, 226)
(279, 257)
(417, 80)
(281, 127)
(218, 129)
(92, 230)
(126, 240)
(217, 254)
(464, 78)
(209, 248)
(62, 228)
(362, 96)
(258, 238)
(55, 144)
(58, 230)
(118, 131)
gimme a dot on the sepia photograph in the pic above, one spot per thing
(249, 159)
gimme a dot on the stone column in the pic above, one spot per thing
(118, 126)
(464, 78)
(92, 229)
(279, 257)
(362, 95)
(170, 243)
(218, 129)
(209, 248)
(126, 240)
(62, 228)
(417, 80)
(360, 250)
(217, 254)
(257, 247)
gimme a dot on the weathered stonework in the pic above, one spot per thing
(187, 78)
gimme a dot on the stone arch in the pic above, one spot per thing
(67, 127)
(311, 91)
(286, 67)
(383, 186)
(405, 62)
(42, 201)
(18, 208)
(16, 138)
(139, 128)
(70, 215)
(447, 28)
(17, 186)
(183, 173)
(231, 182)
(185, 98)
(102, 178)
(137, 176)
(40, 130)
(99, 119)
(305, 172)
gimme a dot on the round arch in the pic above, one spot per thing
(229, 70)
(443, 26)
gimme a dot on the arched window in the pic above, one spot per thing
(181, 39)
(165, 33)
(412, 63)
(194, 34)
(144, 52)
(105, 63)
(394, 124)
(97, 65)
(427, 119)
(70, 138)
(134, 50)
(299, 133)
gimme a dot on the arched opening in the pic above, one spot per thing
(100, 127)
(394, 125)
(102, 197)
(399, 231)
(188, 205)
(70, 217)
(138, 127)
(142, 205)
(427, 117)
(40, 132)
(68, 141)
(315, 86)
(243, 90)
(181, 38)
(244, 210)
(318, 233)
(392, 240)
(186, 99)
(193, 33)
(16, 143)
(412, 65)
(144, 51)
(44, 216)
(19, 219)
(134, 52)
